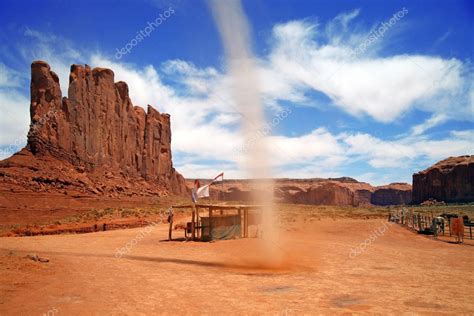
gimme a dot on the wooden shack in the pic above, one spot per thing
(218, 222)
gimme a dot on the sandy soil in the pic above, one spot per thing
(36, 208)
(26, 213)
(399, 272)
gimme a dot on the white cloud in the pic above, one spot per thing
(383, 88)
(380, 154)
(14, 118)
(409, 150)
(303, 149)
(433, 121)
(14, 122)
(9, 78)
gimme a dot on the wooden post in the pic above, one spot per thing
(246, 223)
(170, 219)
(239, 211)
(470, 230)
(193, 230)
(197, 222)
(210, 222)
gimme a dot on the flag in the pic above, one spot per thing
(201, 192)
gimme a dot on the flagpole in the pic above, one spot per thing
(193, 225)
(198, 192)
(194, 198)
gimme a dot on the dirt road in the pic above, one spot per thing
(326, 268)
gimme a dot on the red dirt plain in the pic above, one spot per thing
(398, 273)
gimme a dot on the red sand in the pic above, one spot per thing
(398, 272)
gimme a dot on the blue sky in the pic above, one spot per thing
(374, 109)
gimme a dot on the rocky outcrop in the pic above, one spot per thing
(450, 180)
(97, 131)
(339, 191)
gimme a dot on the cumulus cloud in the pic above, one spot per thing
(306, 148)
(408, 150)
(384, 88)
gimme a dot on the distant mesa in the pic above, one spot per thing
(342, 191)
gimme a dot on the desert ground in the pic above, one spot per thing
(326, 266)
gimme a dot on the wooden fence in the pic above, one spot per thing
(423, 222)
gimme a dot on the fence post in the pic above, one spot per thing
(470, 229)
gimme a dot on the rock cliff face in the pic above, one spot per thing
(392, 194)
(340, 191)
(97, 130)
(450, 180)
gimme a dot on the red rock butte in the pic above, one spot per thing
(449, 180)
(95, 139)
